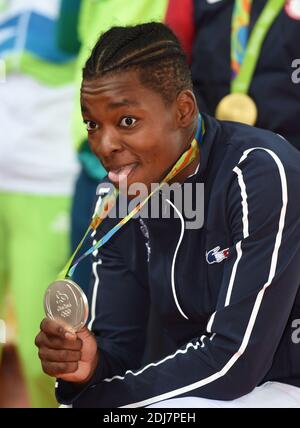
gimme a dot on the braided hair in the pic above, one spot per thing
(151, 49)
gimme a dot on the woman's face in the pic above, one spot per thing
(131, 130)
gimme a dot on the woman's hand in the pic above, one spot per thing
(72, 357)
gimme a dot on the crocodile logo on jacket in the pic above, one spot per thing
(216, 255)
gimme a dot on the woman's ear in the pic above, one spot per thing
(186, 108)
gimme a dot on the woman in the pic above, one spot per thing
(227, 292)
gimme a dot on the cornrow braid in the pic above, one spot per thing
(151, 49)
(157, 50)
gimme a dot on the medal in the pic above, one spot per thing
(66, 303)
(237, 108)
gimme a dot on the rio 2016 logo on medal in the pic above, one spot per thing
(67, 304)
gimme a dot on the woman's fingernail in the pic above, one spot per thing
(69, 335)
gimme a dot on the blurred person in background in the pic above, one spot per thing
(37, 167)
(244, 48)
(95, 18)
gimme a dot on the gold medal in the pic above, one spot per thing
(237, 108)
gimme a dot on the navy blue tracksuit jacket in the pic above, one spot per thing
(227, 293)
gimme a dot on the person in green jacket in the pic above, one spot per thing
(37, 172)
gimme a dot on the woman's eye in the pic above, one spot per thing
(127, 121)
(90, 125)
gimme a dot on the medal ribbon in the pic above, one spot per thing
(109, 201)
(244, 53)
(239, 34)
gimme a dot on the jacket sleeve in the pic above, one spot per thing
(259, 285)
(119, 310)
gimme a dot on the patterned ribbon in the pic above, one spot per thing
(239, 34)
(245, 50)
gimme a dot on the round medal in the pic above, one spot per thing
(66, 303)
(237, 108)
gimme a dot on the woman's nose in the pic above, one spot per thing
(108, 143)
